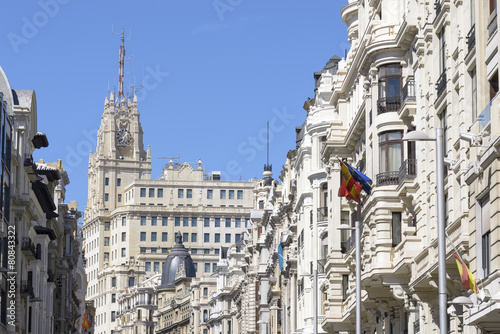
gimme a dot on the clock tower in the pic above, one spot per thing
(120, 157)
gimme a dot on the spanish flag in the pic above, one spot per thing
(85, 322)
(349, 188)
(468, 281)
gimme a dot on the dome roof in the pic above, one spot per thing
(178, 264)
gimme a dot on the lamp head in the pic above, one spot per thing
(343, 227)
(417, 136)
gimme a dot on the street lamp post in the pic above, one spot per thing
(358, 271)
(420, 136)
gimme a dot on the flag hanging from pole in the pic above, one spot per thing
(349, 188)
(85, 322)
(361, 178)
(468, 281)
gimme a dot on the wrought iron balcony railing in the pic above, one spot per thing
(408, 91)
(322, 214)
(388, 178)
(26, 288)
(471, 39)
(28, 247)
(388, 104)
(438, 6)
(408, 170)
(441, 84)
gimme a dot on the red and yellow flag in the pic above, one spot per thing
(349, 188)
(468, 281)
(85, 322)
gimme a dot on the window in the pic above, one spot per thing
(345, 286)
(180, 193)
(231, 194)
(214, 267)
(164, 221)
(118, 182)
(164, 250)
(119, 197)
(389, 86)
(143, 192)
(106, 226)
(193, 237)
(228, 222)
(164, 236)
(396, 228)
(493, 6)
(206, 237)
(156, 266)
(131, 281)
(143, 220)
(124, 252)
(154, 221)
(106, 197)
(153, 236)
(205, 318)
(474, 93)
(113, 281)
(442, 51)
(177, 221)
(106, 181)
(222, 194)
(207, 267)
(106, 256)
(151, 192)
(124, 236)
(185, 221)
(143, 249)
(143, 236)
(206, 222)
(485, 218)
(160, 193)
(194, 222)
(261, 205)
(189, 193)
(240, 194)
(237, 237)
(147, 266)
(209, 194)
(106, 241)
(113, 316)
(185, 237)
(194, 251)
(205, 292)
(217, 222)
(195, 267)
(391, 157)
(217, 238)
(228, 238)
(124, 221)
(113, 297)
(153, 250)
(237, 222)
(217, 251)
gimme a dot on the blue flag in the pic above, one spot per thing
(280, 256)
(361, 178)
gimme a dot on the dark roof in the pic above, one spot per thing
(177, 258)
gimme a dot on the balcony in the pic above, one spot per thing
(321, 266)
(388, 178)
(28, 248)
(51, 276)
(26, 288)
(408, 91)
(408, 170)
(437, 7)
(492, 27)
(441, 84)
(471, 39)
(322, 214)
(388, 104)
(347, 245)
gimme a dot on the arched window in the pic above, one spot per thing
(205, 315)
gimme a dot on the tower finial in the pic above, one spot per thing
(122, 64)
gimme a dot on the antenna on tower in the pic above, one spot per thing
(121, 97)
(267, 166)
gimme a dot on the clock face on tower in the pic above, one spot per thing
(123, 137)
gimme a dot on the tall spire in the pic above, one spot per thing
(120, 96)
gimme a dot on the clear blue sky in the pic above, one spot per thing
(214, 73)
